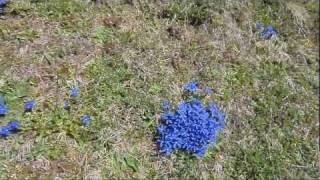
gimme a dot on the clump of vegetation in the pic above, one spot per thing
(193, 13)
(192, 127)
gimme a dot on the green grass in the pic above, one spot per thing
(267, 89)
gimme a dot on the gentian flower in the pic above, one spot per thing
(3, 109)
(29, 105)
(3, 4)
(209, 91)
(166, 105)
(14, 126)
(85, 120)
(269, 32)
(74, 92)
(260, 26)
(266, 32)
(66, 105)
(4, 131)
(2, 100)
(191, 87)
(191, 128)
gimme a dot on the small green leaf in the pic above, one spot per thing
(131, 163)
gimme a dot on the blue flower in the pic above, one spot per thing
(209, 91)
(29, 105)
(191, 87)
(166, 105)
(85, 120)
(260, 26)
(266, 32)
(2, 101)
(3, 109)
(3, 4)
(269, 32)
(4, 131)
(191, 128)
(66, 105)
(74, 92)
(14, 126)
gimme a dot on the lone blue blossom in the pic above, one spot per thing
(260, 26)
(66, 105)
(266, 32)
(29, 105)
(85, 120)
(3, 4)
(2, 101)
(191, 128)
(209, 91)
(269, 32)
(166, 105)
(3, 109)
(4, 131)
(14, 126)
(74, 92)
(191, 87)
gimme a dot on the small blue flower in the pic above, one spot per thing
(266, 32)
(29, 105)
(2, 101)
(269, 32)
(14, 126)
(191, 86)
(3, 109)
(209, 91)
(260, 26)
(4, 131)
(74, 92)
(85, 120)
(66, 105)
(166, 105)
(3, 4)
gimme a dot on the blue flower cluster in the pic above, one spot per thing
(11, 127)
(3, 4)
(266, 32)
(30, 105)
(192, 127)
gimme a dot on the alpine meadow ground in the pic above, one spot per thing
(126, 57)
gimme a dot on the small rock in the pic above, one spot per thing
(110, 48)
(175, 31)
(229, 56)
(112, 21)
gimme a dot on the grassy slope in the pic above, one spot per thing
(268, 89)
